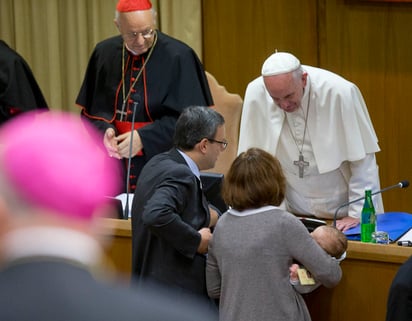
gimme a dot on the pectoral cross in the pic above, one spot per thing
(301, 163)
(122, 112)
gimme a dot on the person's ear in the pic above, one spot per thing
(155, 18)
(203, 145)
(116, 23)
(304, 78)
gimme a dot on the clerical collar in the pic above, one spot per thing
(133, 52)
(59, 243)
(130, 50)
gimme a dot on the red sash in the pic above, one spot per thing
(125, 126)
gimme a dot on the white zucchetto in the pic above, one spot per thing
(280, 63)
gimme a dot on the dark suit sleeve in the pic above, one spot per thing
(174, 214)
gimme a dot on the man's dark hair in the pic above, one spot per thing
(194, 124)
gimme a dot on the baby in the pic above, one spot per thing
(332, 240)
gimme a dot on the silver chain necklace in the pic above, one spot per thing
(301, 163)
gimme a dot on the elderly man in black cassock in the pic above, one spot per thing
(137, 84)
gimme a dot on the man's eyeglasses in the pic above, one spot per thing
(224, 144)
(147, 34)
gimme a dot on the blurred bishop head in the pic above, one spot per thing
(280, 63)
(56, 162)
(133, 5)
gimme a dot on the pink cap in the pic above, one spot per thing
(56, 161)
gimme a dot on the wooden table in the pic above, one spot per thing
(119, 250)
(368, 271)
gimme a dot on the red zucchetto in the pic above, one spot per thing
(133, 5)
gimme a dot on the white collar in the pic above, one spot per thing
(251, 211)
(61, 243)
(191, 163)
(131, 51)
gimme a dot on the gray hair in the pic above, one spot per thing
(194, 124)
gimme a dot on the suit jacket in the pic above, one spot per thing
(51, 289)
(168, 209)
(399, 307)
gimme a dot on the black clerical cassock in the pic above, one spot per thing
(172, 79)
(19, 91)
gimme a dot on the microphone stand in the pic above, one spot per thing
(401, 184)
(127, 210)
(344, 205)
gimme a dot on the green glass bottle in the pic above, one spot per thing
(368, 218)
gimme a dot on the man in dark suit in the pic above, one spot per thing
(171, 219)
(51, 252)
(399, 307)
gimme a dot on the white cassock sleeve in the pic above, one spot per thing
(364, 175)
(261, 120)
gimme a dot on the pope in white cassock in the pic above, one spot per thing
(318, 126)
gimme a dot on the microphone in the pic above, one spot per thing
(401, 184)
(127, 206)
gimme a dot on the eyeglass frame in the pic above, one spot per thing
(146, 34)
(224, 144)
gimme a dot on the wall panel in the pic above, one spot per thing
(239, 35)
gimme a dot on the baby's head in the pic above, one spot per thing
(332, 240)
